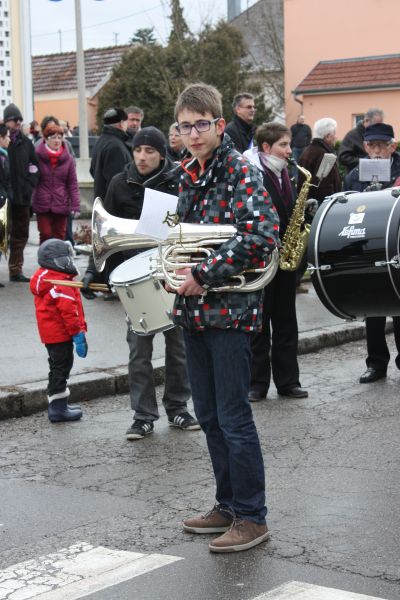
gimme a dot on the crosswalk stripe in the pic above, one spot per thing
(76, 572)
(296, 590)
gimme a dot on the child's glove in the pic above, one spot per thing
(80, 342)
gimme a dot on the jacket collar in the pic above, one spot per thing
(165, 172)
(191, 165)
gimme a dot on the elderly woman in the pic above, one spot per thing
(57, 193)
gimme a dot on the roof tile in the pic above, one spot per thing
(352, 73)
(56, 72)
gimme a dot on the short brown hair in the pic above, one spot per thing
(52, 129)
(270, 133)
(200, 98)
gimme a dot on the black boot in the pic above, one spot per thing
(58, 410)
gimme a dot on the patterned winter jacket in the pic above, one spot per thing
(229, 192)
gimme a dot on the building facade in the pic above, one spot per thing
(327, 32)
(5, 55)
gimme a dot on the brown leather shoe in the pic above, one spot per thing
(242, 535)
(217, 520)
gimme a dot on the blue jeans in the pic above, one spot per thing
(219, 372)
(141, 379)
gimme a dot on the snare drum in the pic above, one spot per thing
(147, 304)
(353, 254)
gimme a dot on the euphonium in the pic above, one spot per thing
(4, 228)
(296, 236)
(187, 244)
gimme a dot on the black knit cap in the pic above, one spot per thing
(151, 136)
(12, 113)
(114, 115)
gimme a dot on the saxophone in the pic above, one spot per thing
(295, 240)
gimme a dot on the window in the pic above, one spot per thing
(357, 119)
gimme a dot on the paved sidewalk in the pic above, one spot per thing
(23, 359)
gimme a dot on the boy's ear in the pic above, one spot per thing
(220, 126)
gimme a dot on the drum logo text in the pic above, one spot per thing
(356, 218)
(352, 232)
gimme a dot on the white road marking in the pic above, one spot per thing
(76, 572)
(296, 590)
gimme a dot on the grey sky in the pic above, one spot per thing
(109, 21)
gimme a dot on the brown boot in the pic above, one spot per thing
(217, 520)
(242, 535)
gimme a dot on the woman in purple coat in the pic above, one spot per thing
(57, 194)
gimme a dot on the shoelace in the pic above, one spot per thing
(228, 512)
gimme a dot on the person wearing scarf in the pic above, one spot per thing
(274, 349)
(57, 193)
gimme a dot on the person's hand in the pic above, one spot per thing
(80, 342)
(85, 291)
(311, 207)
(75, 214)
(189, 287)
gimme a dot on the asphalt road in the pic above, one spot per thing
(80, 490)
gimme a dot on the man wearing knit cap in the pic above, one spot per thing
(24, 175)
(152, 169)
(110, 154)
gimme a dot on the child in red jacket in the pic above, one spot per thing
(61, 323)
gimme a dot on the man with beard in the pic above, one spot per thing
(150, 169)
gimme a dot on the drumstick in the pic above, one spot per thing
(97, 287)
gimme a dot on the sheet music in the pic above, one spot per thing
(374, 169)
(156, 205)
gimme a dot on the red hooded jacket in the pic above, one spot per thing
(59, 310)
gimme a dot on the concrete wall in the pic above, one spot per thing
(64, 106)
(317, 30)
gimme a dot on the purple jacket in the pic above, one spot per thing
(57, 190)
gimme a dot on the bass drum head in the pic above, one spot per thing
(353, 238)
(147, 304)
(126, 273)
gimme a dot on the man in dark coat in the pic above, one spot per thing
(241, 129)
(110, 155)
(111, 152)
(324, 136)
(24, 175)
(352, 146)
(301, 137)
(150, 169)
(379, 142)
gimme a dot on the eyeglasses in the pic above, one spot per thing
(201, 126)
(56, 136)
(378, 145)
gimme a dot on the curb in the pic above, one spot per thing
(24, 400)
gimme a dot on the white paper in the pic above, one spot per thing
(156, 206)
(374, 169)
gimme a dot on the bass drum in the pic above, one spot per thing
(147, 304)
(353, 254)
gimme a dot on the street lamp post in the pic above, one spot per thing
(81, 80)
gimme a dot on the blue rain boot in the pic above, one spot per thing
(58, 409)
(72, 406)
